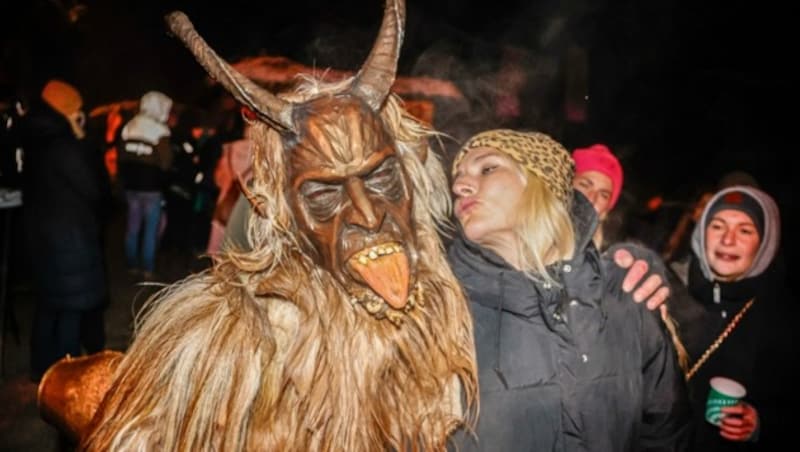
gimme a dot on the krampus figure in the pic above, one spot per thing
(344, 329)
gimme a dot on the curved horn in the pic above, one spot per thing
(268, 107)
(375, 79)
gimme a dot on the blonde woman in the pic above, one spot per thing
(565, 360)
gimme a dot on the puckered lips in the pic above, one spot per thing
(464, 205)
(384, 268)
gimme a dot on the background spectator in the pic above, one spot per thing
(144, 157)
(64, 189)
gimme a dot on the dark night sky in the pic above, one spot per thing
(689, 89)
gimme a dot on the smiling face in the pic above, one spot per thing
(732, 242)
(488, 186)
(352, 200)
(598, 188)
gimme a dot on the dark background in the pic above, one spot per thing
(684, 91)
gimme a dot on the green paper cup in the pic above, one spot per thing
(724, 392)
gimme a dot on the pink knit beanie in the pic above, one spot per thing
(598, 157)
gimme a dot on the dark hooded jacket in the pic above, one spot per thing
(63, 188)
(758, 352)
(574, 368)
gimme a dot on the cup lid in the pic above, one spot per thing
(728, 387)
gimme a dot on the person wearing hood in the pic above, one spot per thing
(64, 188)
(727, 303)
(144, 158)
(566, 360)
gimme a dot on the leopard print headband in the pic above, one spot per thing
(538, 153)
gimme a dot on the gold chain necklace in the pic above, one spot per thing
(715, 345)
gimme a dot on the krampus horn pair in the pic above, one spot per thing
(371, 84)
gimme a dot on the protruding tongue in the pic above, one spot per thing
(386, 275)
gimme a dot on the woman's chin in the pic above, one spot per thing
(473, 232)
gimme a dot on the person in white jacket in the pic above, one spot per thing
(144, 157)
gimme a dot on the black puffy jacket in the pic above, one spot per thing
(574, 368)
(63, 190)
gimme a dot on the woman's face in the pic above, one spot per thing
(732, 242)
(487, 187)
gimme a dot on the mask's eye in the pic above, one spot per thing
(381, 175)
(322, 199)
(386, 179)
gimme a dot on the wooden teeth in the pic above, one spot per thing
(370, 254)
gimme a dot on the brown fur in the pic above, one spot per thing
(265, 352)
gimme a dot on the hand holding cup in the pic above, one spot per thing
(724, 408)
(739, 422)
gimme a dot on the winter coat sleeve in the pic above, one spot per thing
(655, 264)
(666, 410)
(666, 416)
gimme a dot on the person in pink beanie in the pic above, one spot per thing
(598, 175)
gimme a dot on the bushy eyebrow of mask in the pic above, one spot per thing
(340, 130)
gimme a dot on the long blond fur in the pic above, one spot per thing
(265, 352)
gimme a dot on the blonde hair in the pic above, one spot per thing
(544, 229)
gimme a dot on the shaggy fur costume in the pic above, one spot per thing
(267, 352)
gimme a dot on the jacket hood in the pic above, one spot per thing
(487, 277)
(143, 128)
(490, 275)
(150, 124)
(584, 220)
(155, 105)
(769, 242)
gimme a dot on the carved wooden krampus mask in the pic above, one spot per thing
(345, 182)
